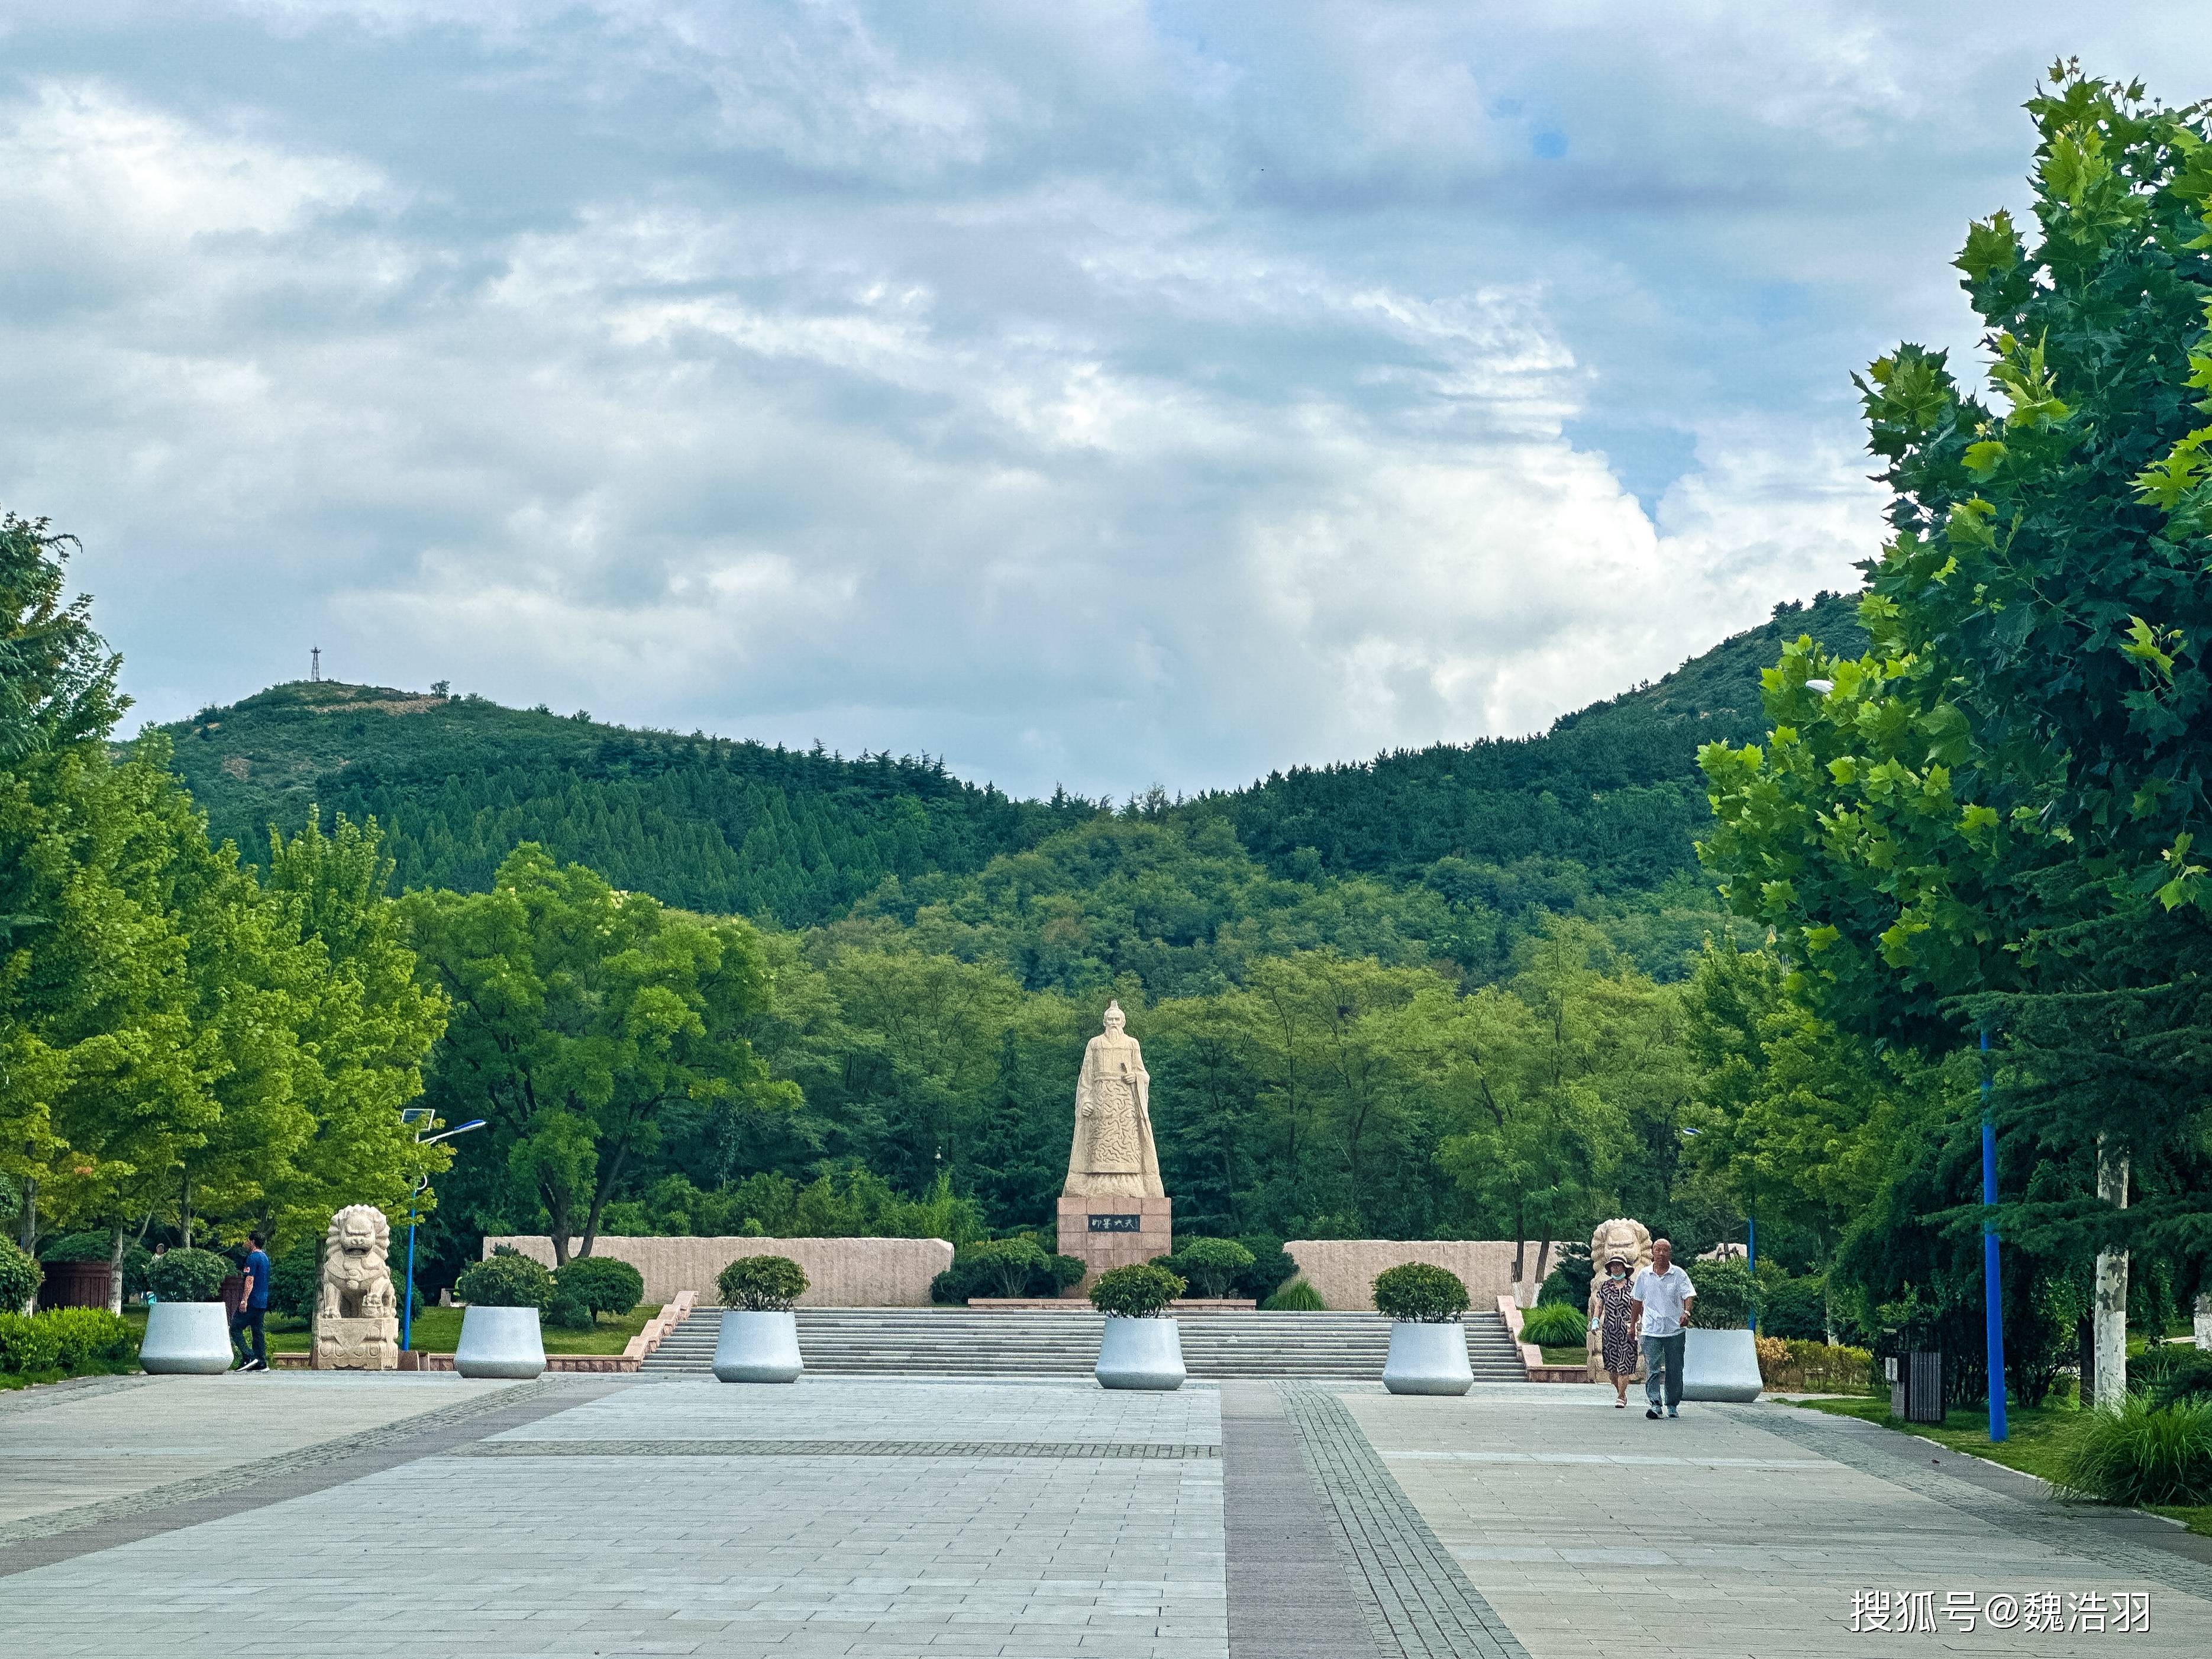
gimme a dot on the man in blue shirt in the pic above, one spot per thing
(252, 1309)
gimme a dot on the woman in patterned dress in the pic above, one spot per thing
(1617, 1329)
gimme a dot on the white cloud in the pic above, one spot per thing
(1101, 394)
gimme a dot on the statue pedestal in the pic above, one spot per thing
(356, 1345)
(1115, 1232)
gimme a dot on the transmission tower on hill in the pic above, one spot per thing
(315, 662)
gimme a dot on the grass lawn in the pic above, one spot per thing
(1564, 1355)
(436, 1330)
(2037, 1444)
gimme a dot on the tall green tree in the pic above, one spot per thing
(582, 1013)
(2023, 751)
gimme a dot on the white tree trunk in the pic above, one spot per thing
(115, 1273)
(2111, 1314)
(2204, 1320)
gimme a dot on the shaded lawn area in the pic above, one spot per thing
(437, 1330)
(2039, 1436)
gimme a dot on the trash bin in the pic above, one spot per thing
(1915, 1386)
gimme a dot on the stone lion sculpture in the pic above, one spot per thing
(1630, 1240)
(356, 1309)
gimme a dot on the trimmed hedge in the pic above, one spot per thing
(568, 1311)
(979, 1269)
(68, 1340)
(602, 1284)
(762, 1283)
(188, 1275)
(1805, 1367)
(1420, 1293)
(1211, 1265)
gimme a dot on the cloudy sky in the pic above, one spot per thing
(1096, 393)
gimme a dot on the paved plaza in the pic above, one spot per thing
(299, 1514)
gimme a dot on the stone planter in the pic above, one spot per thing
(1141, 1353)
(1720, 1365)
(499, 1342)
(759, 1347)
(1427, 1359)
(186, 1339)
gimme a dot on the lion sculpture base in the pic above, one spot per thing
(1630, 1240)
(356, 1311)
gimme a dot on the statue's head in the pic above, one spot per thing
(1116, 1019)
(358, 1229)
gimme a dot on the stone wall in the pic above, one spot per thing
(840, 1272)
(1343, 1269)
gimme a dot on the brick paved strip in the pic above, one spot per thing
(2141, 1545)
(65, 1534)
(1292, 1588)
(1422, 1606)
(967, 1448)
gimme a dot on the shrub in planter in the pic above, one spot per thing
(1142, 1291)
(505, 1279)
(2142, 1454)
(1727, 1295)
(1211, 1265)
(20, 1277)
(1554, 1325)
(568, 1311)
(602, 1284)
(762, 1283)
(188, 1276)
(1421, 1294)
(1297, 1296)
(29, 1344)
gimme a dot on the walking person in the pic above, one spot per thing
(1662, 1296)
(252, 1309)
(1616, 1328)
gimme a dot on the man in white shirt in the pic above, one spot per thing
(1661, 1300)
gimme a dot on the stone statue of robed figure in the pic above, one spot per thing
(1112, 1156)
(1112, 1210)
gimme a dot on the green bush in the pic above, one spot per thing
(1142, 1291)
(762, 1283)
(1211, 1265)
(296, 1279)
(1568, 1284)
(1297, 1296)
(1795, 1310)
(505, 1279)
(1065, 1273)
(2171, 1372)
(602, 1284)
(77, 1247)
(1421, 1293)
(2142, 1454)
(1273, 1267)
(1554, 1325)
(188, 1275)
(1726, 1295)
(29, 1344)
(92, 1338)
(20, 1277)
(1005, 1266)
(568, 1311)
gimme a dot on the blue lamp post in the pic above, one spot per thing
(1992, 1293)
(414, 1114)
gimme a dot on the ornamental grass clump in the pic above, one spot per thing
(1421, 1294)
(187, 1276)
(2143, 1454)
(1211, 1265)
(1554, 1325)
(1142, 1291)
(505, 1279)
(1297, 1296)
(762, 1283)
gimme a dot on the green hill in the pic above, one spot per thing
(712, 824)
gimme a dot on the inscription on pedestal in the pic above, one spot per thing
(1117, 1224)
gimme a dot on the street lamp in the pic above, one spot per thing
(416, 1114)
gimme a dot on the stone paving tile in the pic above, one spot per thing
(1746, 1540)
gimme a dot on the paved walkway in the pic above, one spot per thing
(296, 1513)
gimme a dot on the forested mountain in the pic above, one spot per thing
(799, 838)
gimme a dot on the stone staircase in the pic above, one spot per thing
(961, 1342)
